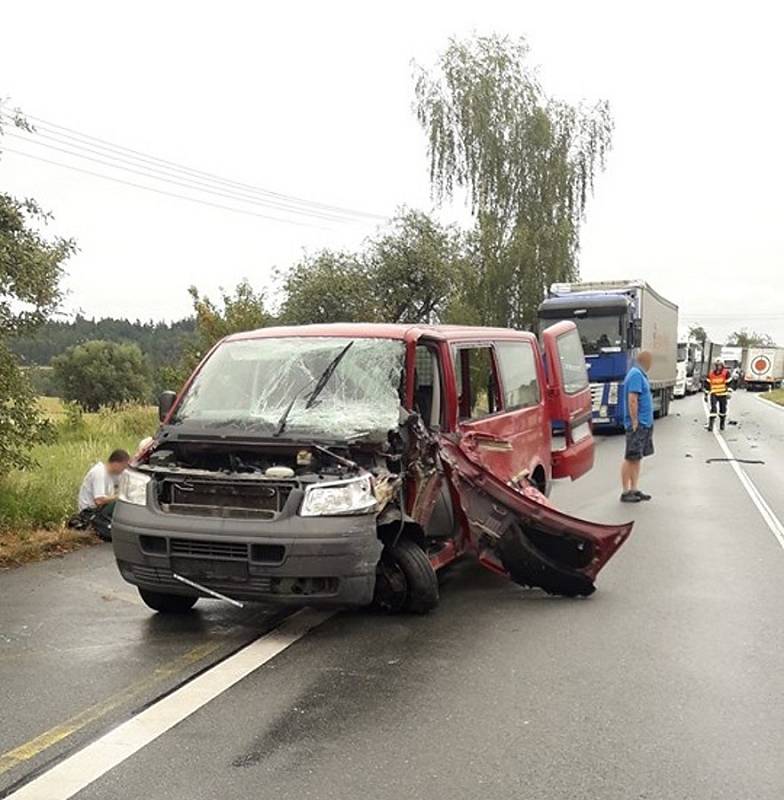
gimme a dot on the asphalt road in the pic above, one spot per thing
(667, 683)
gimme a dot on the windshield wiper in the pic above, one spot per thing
(285, 415)
(317, 389)
(326, 375)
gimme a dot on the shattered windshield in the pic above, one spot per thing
(254, 384)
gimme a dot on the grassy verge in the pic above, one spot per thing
(35, 503)
(776, 396)
(21, 547)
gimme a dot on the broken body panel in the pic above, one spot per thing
(294, 456)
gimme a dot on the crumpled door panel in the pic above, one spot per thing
(519, 533)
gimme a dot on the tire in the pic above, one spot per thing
(168, 603)
(405, 580)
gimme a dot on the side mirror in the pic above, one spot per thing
(637, 333)
(165, 403)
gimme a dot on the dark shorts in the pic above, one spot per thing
(639, 443)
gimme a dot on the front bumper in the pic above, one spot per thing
(293, 560)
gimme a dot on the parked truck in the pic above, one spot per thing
(763, 368)
(705, 354)
(681, 388)
(617, 319)
(734, 358)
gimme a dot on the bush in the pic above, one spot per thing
(100, 374)
(21, 424)
(42, 380)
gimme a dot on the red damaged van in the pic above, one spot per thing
(345, 464)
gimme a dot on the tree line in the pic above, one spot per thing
(741, 338)
(525, 163)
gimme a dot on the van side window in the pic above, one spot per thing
(477, 387)
(517, 368)
(427, 385)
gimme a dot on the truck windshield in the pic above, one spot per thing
(250, 384)
(600, 334)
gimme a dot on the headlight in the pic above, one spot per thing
(133, 487)
(612, 396)
(339, 497)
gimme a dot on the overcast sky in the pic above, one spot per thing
(314, 100)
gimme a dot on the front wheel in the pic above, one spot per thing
(168, 603)
(405, 580)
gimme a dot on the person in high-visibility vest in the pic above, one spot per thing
(718, 381)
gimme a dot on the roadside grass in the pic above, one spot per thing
(39, 500)
(21, 547)
(776, 396)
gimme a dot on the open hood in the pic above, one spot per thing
(518, 533)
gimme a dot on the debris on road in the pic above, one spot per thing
(736, 460)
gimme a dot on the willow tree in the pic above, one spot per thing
(525, 161)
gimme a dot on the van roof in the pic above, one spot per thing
(358, 330)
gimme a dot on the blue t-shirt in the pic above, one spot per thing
(637, 381)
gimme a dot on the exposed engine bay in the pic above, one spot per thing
(255, 480)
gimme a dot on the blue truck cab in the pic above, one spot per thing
(617, 319)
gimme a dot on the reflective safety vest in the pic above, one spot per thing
(717, 382)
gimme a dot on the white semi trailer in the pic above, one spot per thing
(763, 368)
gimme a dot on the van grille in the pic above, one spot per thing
(208, 549)
(162, 577)
(244, 499)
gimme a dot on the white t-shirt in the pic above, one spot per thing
(97, 483)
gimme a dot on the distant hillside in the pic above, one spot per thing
(162, 343)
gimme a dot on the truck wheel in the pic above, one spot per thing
(168, 603)
(405, 580)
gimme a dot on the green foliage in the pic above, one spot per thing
(30, 270)
(99, 374)
(162, 343)
(21, 425)
(328, 287)
(697, 333)
(526, 161)
(44, 495)
(747, 338)
(241, 310)
(414, 268)
(42, 381)
(408, 273)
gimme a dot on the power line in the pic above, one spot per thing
(167, 174)
(161, 191)
(184, 184)
(85, 140)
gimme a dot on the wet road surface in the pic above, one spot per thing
(667, 683)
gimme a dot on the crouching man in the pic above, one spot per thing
(98, 493)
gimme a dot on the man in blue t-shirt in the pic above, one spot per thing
(638, 421)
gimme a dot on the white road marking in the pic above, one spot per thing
(769, 403)
(70, 776)
(771, 520)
